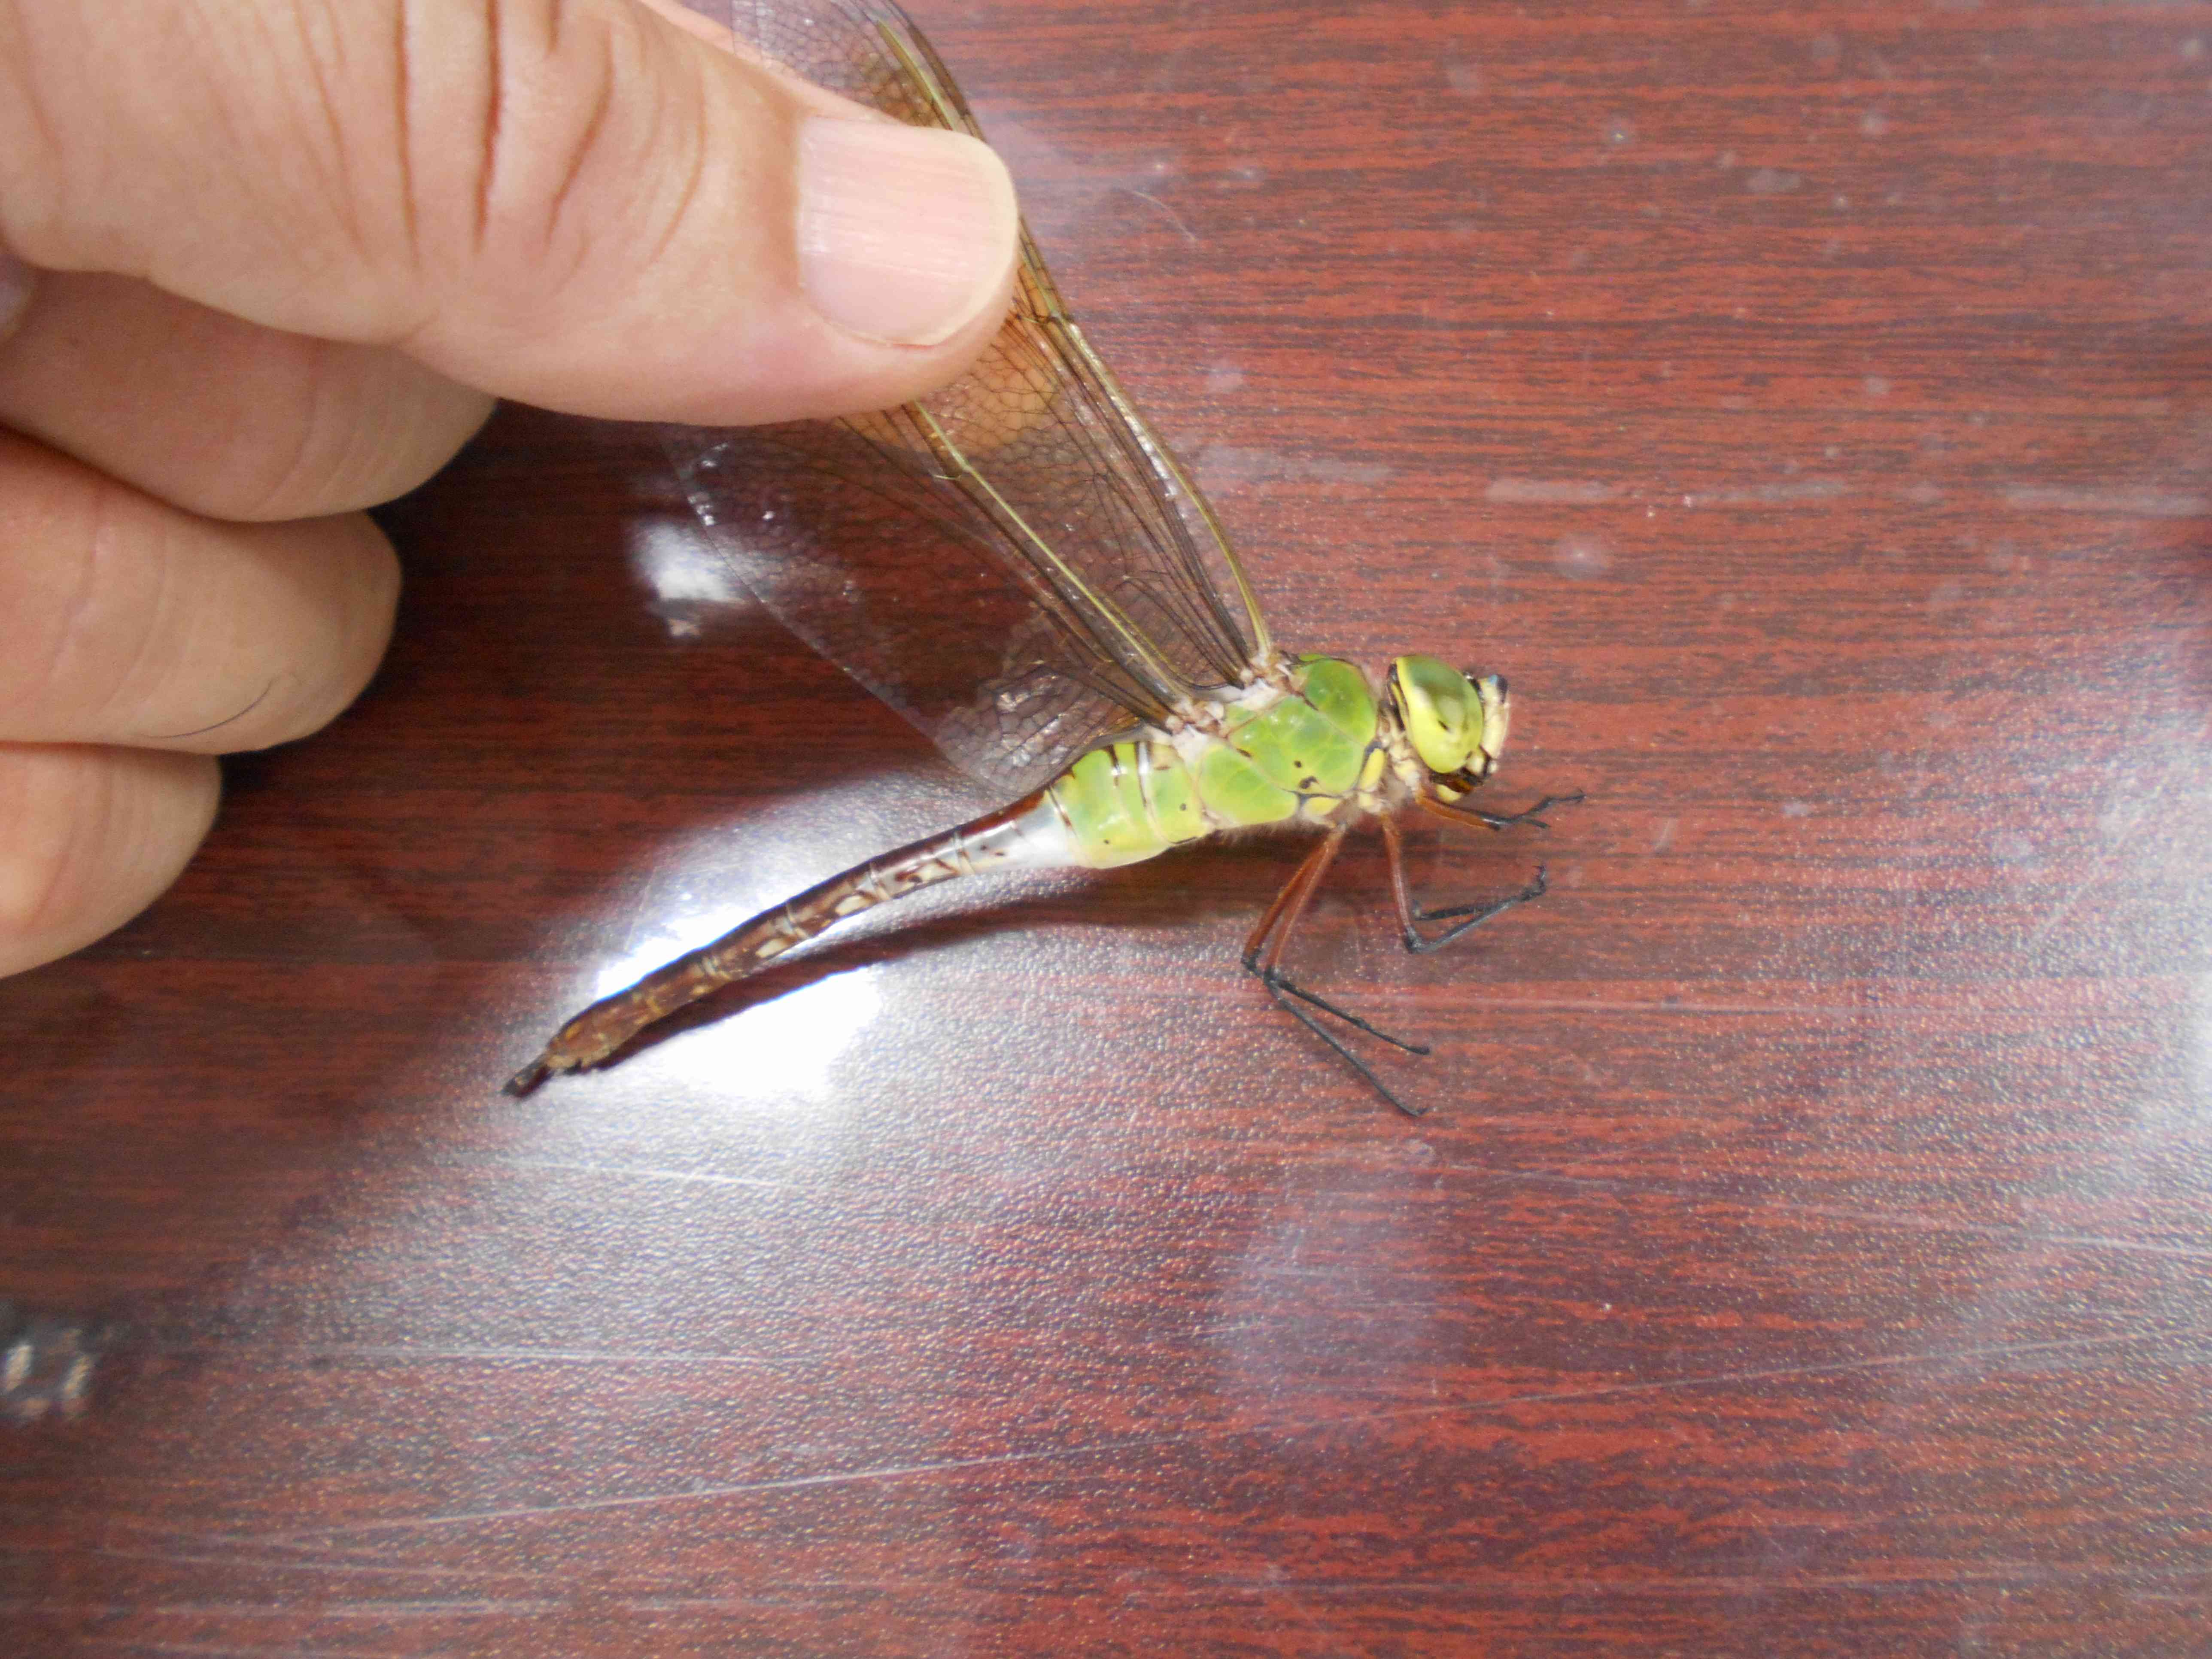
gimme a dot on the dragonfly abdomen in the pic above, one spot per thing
(1027, 834)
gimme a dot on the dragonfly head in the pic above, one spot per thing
(1455, 721)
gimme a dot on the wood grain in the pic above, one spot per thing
(1809, 409)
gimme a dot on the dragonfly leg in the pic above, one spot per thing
(1281, 921)
(1263, 954)
(1410, 915)
(1276, 986)
(1452, 812)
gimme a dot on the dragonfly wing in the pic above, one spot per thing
(1017, 563)
(876, 571)
(846, 46)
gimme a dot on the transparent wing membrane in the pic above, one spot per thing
(1016, 563)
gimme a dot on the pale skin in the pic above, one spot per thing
(266, 262)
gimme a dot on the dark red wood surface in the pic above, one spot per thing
(1810, 409)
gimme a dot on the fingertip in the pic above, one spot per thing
(821, 371)
(94, 837)
(125, 621)
(329, 592)
(905, 235)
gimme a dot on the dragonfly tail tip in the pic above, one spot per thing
(527, 1080)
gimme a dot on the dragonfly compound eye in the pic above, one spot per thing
(1442, 711)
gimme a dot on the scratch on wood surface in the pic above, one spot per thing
(2101, 866)
(1174, 218)
(1717, 1585)
(204, 1649)
(409, 1354)
(475, 1607)
(329, 1563)
(308, 1537)
(627, 1172)
(1905, 1219)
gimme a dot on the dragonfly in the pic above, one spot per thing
(1021, 567)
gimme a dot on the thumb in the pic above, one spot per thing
(575, 202)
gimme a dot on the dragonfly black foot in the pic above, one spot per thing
(1469, 915)
(1280, 984)
(1527, 815)
(1295, 1001)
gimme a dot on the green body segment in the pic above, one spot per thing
(1339, 694)
(1127, 802)
(1135, 799)
(1313, 744)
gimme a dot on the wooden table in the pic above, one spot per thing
(1810, 409)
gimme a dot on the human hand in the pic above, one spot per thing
(274, 260)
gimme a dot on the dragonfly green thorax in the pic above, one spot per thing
(1019, 565)
(1307, 740)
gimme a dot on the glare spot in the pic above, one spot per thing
(775, 1050)
(1225, 467)
(1582, 557)
(1565, 492)
(664, 944)
(785, 1050)
(2132, 499)
(675, 563)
